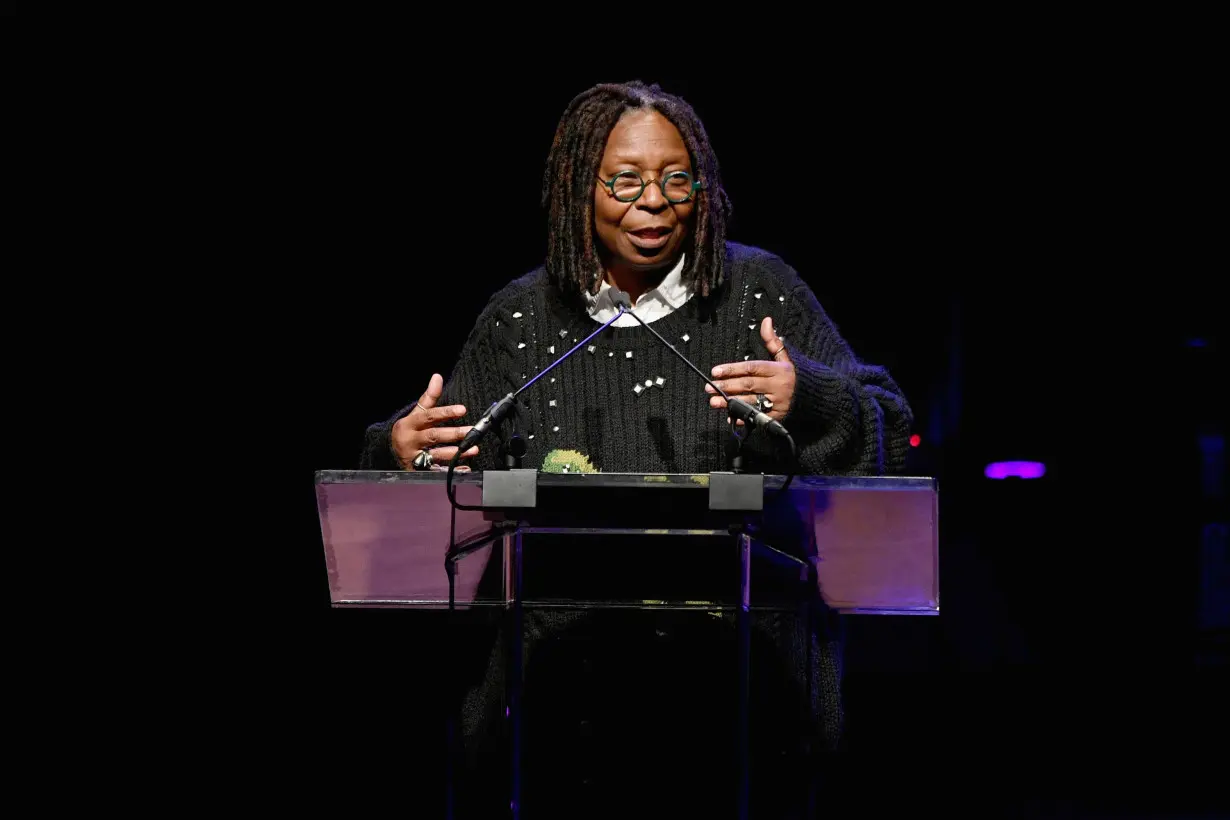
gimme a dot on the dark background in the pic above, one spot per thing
(1005, 236)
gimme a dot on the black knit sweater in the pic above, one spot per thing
(846, 417)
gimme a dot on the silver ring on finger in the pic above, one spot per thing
(423, 460)
(763, 403)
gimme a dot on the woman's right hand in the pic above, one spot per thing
(417, 429)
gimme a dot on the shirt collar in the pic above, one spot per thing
(671, 292)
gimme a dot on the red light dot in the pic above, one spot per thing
(915, 440)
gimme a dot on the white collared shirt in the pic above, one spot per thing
(668, 296)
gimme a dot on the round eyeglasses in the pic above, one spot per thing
(677, 186)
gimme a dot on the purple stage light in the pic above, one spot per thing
(1015, 469)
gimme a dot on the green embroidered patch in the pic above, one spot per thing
(567, 461)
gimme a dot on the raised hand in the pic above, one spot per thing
(419, 430)
(748, 380)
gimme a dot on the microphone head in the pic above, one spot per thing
(620, 298)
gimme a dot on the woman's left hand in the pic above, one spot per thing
(754, 378)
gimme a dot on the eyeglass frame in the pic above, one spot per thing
(610, 185)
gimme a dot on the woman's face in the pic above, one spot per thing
(649, 233)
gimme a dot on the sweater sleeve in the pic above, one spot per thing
(846, 417)
(470, 384)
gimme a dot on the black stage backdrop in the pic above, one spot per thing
(972, 227)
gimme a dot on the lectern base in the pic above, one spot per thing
(632, 713)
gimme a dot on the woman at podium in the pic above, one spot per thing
(635, 205)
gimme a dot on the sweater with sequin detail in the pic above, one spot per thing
(625, 403)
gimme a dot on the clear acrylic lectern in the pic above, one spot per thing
(393, 539)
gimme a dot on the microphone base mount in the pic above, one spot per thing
(515, 489)
(739, 492)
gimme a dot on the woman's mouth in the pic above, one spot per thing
(650, 237)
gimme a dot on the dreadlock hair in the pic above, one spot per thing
(568, 188)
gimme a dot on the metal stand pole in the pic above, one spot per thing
(515, 674)
(745, 647)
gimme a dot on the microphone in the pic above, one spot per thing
(737, 408)
(751, 416)
(499, 410)
(492, 418)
